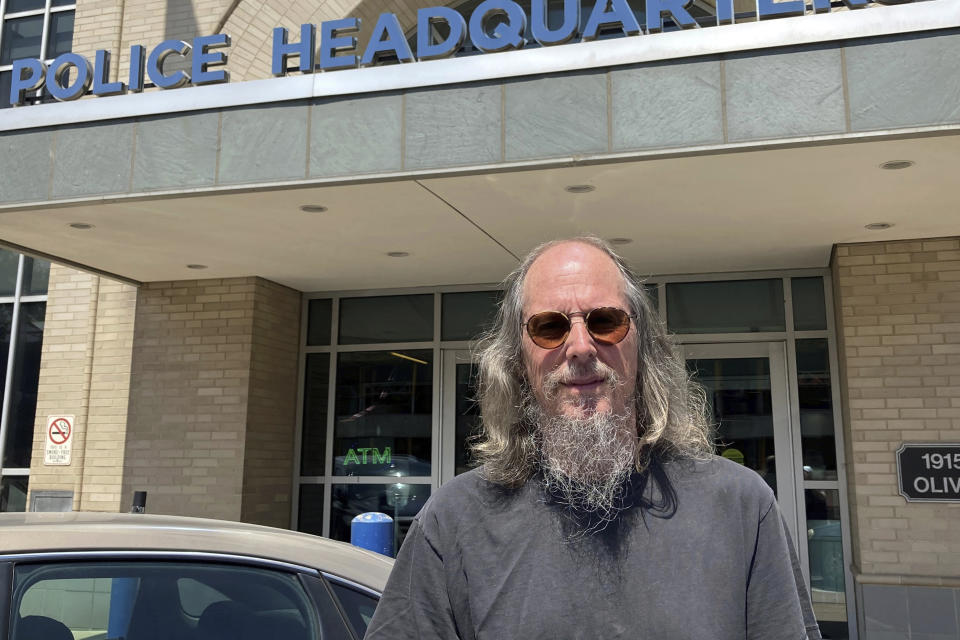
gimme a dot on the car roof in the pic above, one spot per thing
(81, 531)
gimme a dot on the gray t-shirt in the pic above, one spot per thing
(715, 563)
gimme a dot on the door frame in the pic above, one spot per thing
(789, 487)
(447, 437)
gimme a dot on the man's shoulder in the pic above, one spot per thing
(717, 476)
(464, 493)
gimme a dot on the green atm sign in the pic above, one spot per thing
(359, 455)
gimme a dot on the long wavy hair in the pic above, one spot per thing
(670, 407)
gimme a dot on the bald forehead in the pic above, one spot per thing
(581, 268)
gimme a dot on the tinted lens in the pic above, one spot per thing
(548, 329)
(608, 325)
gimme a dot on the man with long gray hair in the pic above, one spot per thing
(599, 510)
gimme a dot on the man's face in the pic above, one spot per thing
(570, 278)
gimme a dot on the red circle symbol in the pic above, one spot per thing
(60, 431)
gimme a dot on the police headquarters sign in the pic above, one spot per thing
(493, 26)
(929, 472)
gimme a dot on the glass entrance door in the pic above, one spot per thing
(746, 387)
(461, 414)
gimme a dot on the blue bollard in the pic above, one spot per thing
(373, 531)
(123, 593)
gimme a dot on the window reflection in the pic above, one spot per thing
(468, 416)
(313, 446)
(816, 410)
(384, 413)
(400, 501)
(825, 546)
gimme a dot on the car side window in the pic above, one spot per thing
(358, 605)
(126, 600)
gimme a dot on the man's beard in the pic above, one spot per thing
(585, 459)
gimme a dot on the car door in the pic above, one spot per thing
(165, 596)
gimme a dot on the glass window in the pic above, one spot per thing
(467, 315)
(6, 330)
(400, 501)
(313, 444)
(809, 307)
(735, 306)
(5, 89)
(386, 319)
(816, 410)
(13, 493)
(825, 547)
(21, 39)
(26, 375)
(310, 518)
(384, 404)
(9, 262)
(60, 36)
(36, 276)
(358, 606)
(468, 416)
(318, 322)
(15, 6)
(61, 3)
(146, 600)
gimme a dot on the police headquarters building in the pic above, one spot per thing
(254, 257)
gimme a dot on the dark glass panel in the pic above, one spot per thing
(60, 36)
(386, 319)
(62, 3)
(26, 374)
(466, 315)
(21, 39)
(6, 329)
(310, 509)
(9, 263)
(734, 306)
(13, 493)
(36, 276)
(816, 410)
(383, 413)
(825, 546)
(400, 501)
(809, 306)
(318, 322)
(313, 444)
(5, 77)
(739, 394)
(16, 6)
(468, 416)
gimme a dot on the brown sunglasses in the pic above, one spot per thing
(607, 325)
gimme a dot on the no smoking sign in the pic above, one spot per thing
(59, 440)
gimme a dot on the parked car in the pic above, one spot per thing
(100, 576)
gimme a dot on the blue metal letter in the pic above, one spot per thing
(506, 35)
(426, 18)
(856, 4)
(786, 8)
(137, 60)
(305, 50)
(676, 9)
(568, 30)
(155, 64)
(20, 85)
(334, 38)
(59, 73)
(821, 6)
(101, 73)
(387, 25)
(202, 58)
(373, 531)
(620, 13)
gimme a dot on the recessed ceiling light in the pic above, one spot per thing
(579, 188)
(398, 254)
(878, 226)
(893, 165)
(313, 208)
(616, 241)
(81, 225)
(196, 266)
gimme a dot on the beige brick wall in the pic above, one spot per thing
(271, 406)
(212, 399)
(85, 372)
(117, 24)
(898, 312)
